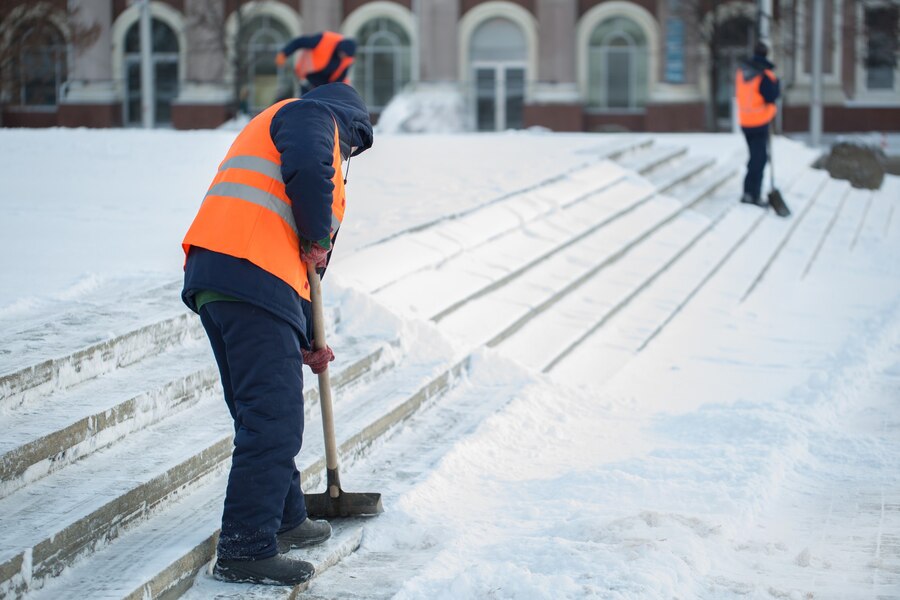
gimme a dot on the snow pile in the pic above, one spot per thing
(435, 108)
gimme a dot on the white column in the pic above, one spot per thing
(815, 102)
(148, 83)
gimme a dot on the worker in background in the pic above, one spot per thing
(324, 57)
(756, 89)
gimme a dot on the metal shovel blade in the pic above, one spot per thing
(776, 201)
(336, 503)
(323, 506)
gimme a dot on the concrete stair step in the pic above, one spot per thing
(432, 243)
(429, 293)
(652, 159)
(544, 342)
(502, 312)
(143, 517)
(809, 229)
(69, 425)
(60, 326)
(624, 333)
(848, 220)
(52, 522)
(880, 214)
(31, 383)
(684, 171)
(402, 256)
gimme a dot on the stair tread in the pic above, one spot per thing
(45, 336)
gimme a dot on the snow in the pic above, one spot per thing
(750, 451)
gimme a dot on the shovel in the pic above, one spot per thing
(334, 502)
(776, 201)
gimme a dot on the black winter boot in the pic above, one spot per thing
(307, 533)
(748, 199)
(275, 570)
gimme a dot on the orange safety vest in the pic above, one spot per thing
(315, 60)
(247, 213)
(753, 110)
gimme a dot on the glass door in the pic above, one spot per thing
(499, 96)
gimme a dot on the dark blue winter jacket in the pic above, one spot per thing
(303, 132)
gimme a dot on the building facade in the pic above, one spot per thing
(569, 65)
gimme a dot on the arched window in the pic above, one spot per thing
(164, 48)
(40, 67)
(499, 56)
(261, 39)
(617, 60)
(382, 66)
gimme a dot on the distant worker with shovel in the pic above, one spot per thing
(272, 212)
(756, 89)
(324, 57)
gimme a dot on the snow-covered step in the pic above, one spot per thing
(184, 530)
(462, 279)
(66, 426)
(652, 159)
(410, 250)
(880, 213)
(29, 383)
(78, 320)
(811, 227)
(711, 276)
(71, 424)
(413, 251)
(53, 521)
(686, 169)
(578, 316)
(847, 223)
(603, 352)
(503, 311)
(890, 192)
(740, 274)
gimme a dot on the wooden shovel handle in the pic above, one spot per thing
(318, 314)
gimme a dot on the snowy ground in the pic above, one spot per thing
(747, 453)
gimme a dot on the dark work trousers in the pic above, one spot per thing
(261, 369)
(758, 143)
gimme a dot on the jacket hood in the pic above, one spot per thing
(350, 112)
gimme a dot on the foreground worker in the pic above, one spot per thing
(274, 207)
(756, 89)
(325, 57)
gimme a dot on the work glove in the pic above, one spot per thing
(311, 252)
(317, 359)
(280, 59)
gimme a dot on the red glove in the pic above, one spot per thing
(317, 359)
(315, 254)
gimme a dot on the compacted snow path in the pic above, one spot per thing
(755, 460)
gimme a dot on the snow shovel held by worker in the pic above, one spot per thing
(334, 502)
(776, 201)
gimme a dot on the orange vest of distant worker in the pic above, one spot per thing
(247, 213)
(315, 60)
(753, 110)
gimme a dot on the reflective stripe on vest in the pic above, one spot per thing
(247, 213)
(753, 110)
